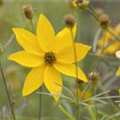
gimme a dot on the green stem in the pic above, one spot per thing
(7, 91)
(40, 105)
(32, 25)
(92, 13)
(91, 113)
(76, 71)
(65, 112)
(102, 88)
(96, 109)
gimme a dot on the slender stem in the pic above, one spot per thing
(76, 71)
(85, 89)
(40, 105)
(32, 25)
(7, 91)
(116, 37)
(65, 112)
(92, 13)
(40, 89)
(9, 41)
(96, 109)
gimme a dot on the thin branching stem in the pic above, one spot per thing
(9, 41)
(65, 112)
(67, 90)
(7, 92)
(59, 95)
(92, 13)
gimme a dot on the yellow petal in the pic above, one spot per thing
(67, 55)
(53, 82)
(70, 70)
(107, 37)
(117, 29)
(45, 33)
(74, 31)
(33, 81)
(26, 59)
(27, 40)
(112, 48)
(118, 71)
(62, 41)
(66, 30)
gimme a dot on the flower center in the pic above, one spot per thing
(49, 58)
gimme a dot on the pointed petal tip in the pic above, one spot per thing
(85, 79)
(15, 29)
(42, 16)
(24, 94)
(10, 57)
(56, 98)
(89, 48)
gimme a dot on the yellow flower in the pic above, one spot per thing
(80, 4)
(118, 72)
(86, 95)
(118, 56)
(48, 55)
(108, 38)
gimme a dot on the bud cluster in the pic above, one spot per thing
(103, 18)
(80, 4)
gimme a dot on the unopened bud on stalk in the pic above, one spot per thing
(94, 77)
(99, 11)
(104, 21)
(69, 20)
(28, 11)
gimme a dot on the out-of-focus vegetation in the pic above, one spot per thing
(12, 15)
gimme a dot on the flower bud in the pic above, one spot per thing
(69, 20)
(28, 11)
(99, 11)
(80, 4)
(94, 77)
(104, 21)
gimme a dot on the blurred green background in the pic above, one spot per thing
(11, 16)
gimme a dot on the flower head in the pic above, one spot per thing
(104, 21)
(80, 4)
(69, 20)
(48, 55)
(28, 11)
